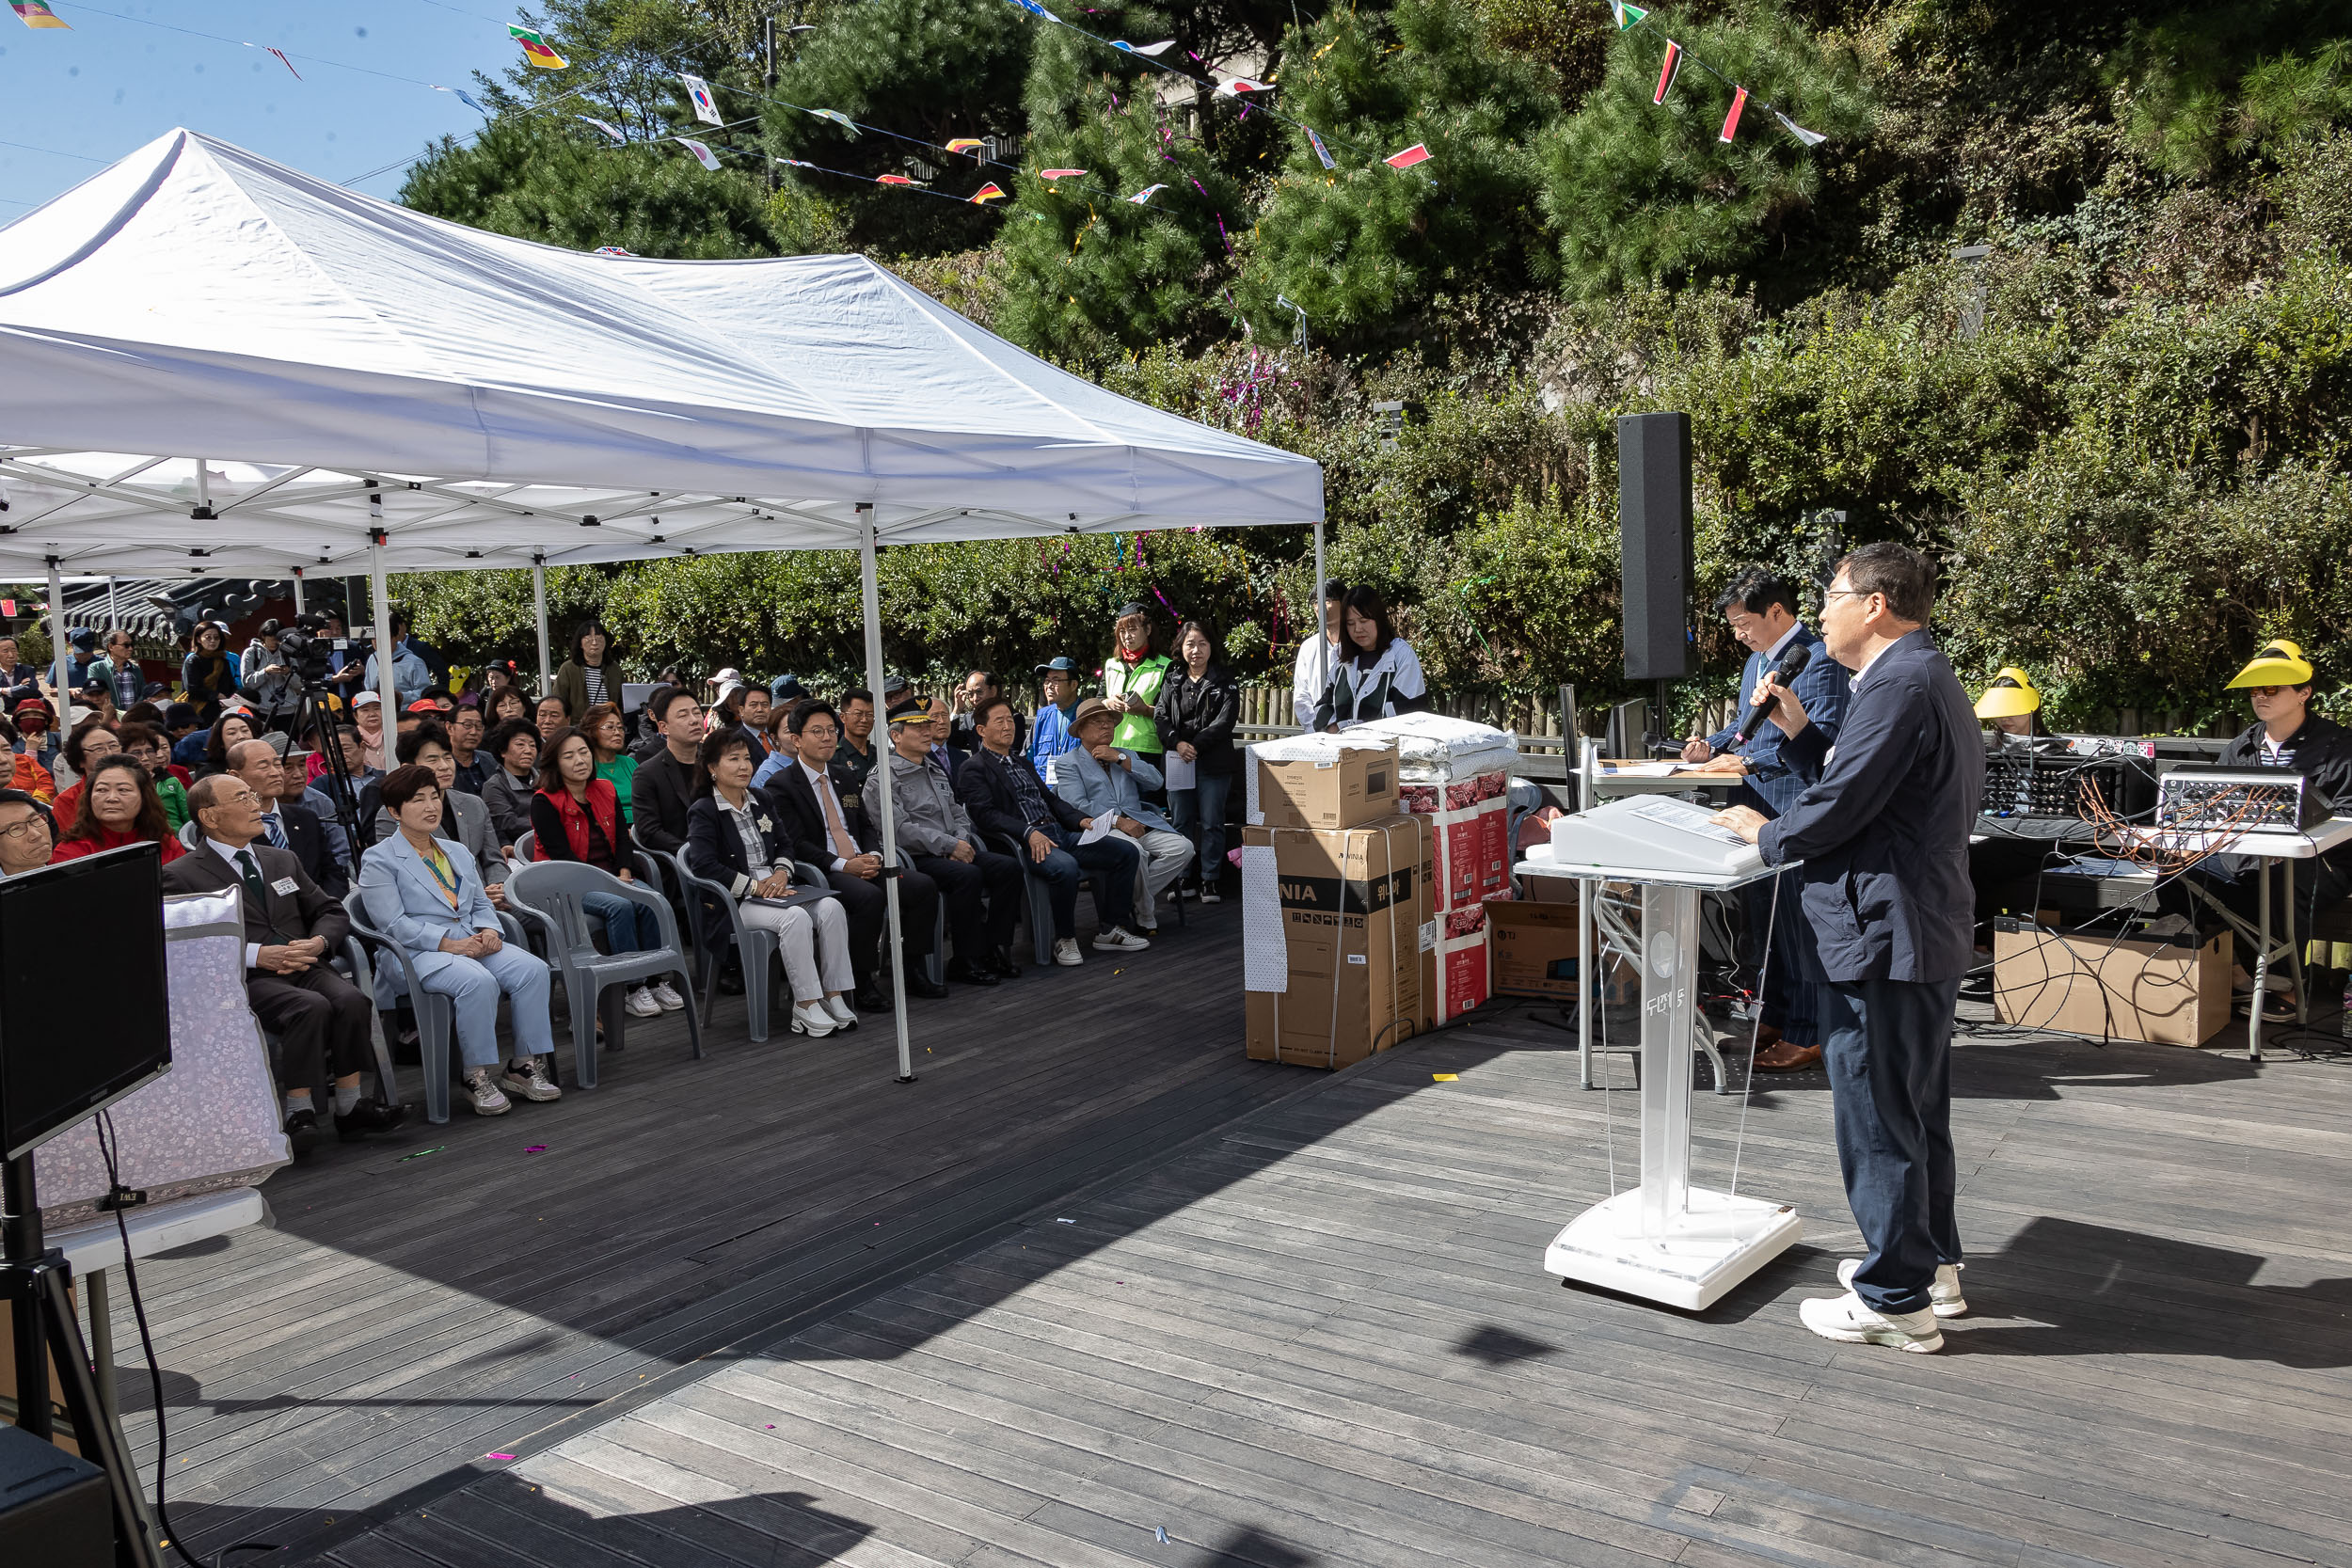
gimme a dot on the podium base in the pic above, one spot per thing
(1713, 1244)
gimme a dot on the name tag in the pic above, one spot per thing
(850, 801)
(283, 884)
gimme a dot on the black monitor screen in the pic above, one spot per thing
(84, 1018)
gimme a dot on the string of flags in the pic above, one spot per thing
(33, 14)
(536, 49)
(1629, 17)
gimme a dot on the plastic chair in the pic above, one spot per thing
(718, 920)
(523, 847)
(550, 894)
(435, 1013)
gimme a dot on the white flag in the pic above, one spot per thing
(705, 106)
(703, 154)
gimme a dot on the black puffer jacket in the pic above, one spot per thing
(1202, 711)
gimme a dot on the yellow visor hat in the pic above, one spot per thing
(2010, 694)
(2281, 663)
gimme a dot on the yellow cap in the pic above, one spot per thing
(2010, 694)
(2280, 663)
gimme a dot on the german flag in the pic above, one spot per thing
(965, 144)
(988, 193)
(536, 49)
(33, 14)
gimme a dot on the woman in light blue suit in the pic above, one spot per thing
(433, 904)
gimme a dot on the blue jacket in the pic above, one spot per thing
(1882, 825)
(410, 675)
(1097, 790)
(1820, 687)
(1053, 736)
(403, 901)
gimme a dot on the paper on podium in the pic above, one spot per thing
(1651, 838)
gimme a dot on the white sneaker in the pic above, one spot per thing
(1119, 940)
(483, 1096)
(842, 1013)
(1944, 1297)
(1210, 895)
(639, 1003)
(1066, 953)
(810, 1018)
(531, 1079)
(1848, 1320)
(667, 996)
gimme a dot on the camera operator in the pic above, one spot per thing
(270, 681)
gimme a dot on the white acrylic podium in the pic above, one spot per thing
(1665, 1239)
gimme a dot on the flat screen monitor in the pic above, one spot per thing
(78, 1034)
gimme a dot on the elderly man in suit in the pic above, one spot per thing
(1761, 608)
(290, 927)
(286, 822)
(1882, 829)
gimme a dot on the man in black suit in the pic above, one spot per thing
(291, 928)
(824, 813)
(663, 786)
(1882, 829)
(286, 822)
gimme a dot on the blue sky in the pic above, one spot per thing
(118, 80)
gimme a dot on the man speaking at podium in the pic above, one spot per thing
(1882, 829)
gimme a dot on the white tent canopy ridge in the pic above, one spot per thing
(201, 350)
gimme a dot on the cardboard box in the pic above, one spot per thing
(1455, 976)
(1300, 784)
(1533, 949)
(1334, 924)
(1473, 852)
(2164, 992)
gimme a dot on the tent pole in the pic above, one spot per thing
(539, 615)
(871, 584)
(61, 652)
(297, 582)
(382, 605)
(1323, 643)
(114, 616)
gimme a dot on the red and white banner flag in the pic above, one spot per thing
(1731, 120)
(702, 152)
(1416, 153)
(1666, 73)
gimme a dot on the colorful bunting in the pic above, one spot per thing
(463, 96)
(536, 49)
(1628, 16)
(1810, 138)
(1666, 73)
(607, 127)
(839, 119)
(1036, 10)
(705, 106)
(1235, 86)
(795, 162)
(892, 180)
(33, 14)
(987, 193)
(964, 144)
(601, 250)
(702, 152)
(1416, 153)
(1154, 50)
(1731, 120)
(1321, 151)
(1143, 197)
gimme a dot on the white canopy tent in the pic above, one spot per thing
(213, 365)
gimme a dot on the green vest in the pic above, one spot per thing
(1136, 732)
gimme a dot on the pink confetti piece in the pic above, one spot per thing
(536, 1148)
(497, 1456)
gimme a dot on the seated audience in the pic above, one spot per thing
(829, 827)
(736, 838)
(465, 818)
(26, 833)
(209, 673)
(336, 799)
(513, 749)
(783, 748)
(19, 681)
(943, 726)
(608, 732)
(550, 715)
(228, 730)
(964, 731)
(287, 822)
(509, 703)
(146, 745)
(1101, 779)
(1000, 788)
(465, 746)
(119, 807)
(1059, 677)
(293, 930)
(663, 786)
(727, 713)
(27, 775)
(857, 754)
(434, 905)
(367, 718)
(89, 741)
(577, 816)
(1200, 703)
(982, 889)
(36, 734)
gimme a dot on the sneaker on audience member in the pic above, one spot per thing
(841, 1012)
(639, 1002)
(483, 1096)
(1209, 894)
(1066, 952)
(667, 996)
(1119, 940)
(810, 1018)
(1850, 1320)
(1944, 1297)
(528, 1078)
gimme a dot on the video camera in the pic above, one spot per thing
(316, 659)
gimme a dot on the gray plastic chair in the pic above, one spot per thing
(718, 920)
(549, 894)
(435, 1013)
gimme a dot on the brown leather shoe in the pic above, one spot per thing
(1785, 1057)
(1766, 1035)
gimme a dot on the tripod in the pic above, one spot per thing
(314, 709)
(34, 1281)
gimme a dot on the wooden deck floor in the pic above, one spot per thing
(1281, 1319)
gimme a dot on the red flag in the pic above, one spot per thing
(1731, 120)
(1666, 72)
(1416, 153)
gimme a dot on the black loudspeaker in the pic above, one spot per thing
(55, 1508)
(1654, 544)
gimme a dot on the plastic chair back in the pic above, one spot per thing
(551, 894)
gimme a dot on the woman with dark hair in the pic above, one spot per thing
(145, 745)
(119, 806)
(588, 676)
(208, 672)
(90, 741)
(735, 837)
(1377, 674)
(434, 905)
(513, 749)
(577, 816)
(227, 731)
(1200, 703)
(1132, 677)
(508, 701)
(608, 732)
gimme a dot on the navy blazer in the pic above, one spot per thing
(715, 849)
(305, 836)
(984, 785)
(1820, 685)
(1882, 825)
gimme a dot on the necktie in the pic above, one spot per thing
(842, 845)
(275, 830)
(250, 872)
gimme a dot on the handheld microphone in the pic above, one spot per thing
(1792, 664)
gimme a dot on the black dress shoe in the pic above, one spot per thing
(1002, 962)
(924, 986)
(730, 982)
(870, 999)
(368, 1116)
(964, 971)
(302, 1130)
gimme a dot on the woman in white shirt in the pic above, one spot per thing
(1376, 675)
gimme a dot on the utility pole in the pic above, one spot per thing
(768, 81)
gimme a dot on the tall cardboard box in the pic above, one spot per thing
(2164, 993)
(1333, 927)
(1534, 948)
(1322, 782)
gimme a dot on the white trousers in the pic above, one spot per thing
(814, 940)
(1165, 856)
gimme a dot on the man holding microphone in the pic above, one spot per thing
(1883, 832)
